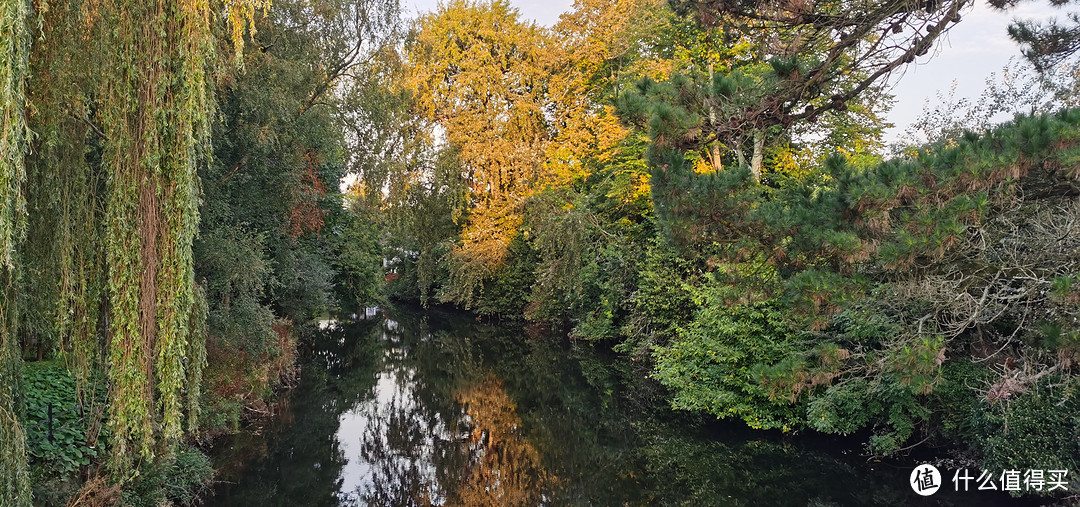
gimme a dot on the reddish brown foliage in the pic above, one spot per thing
(305, 216)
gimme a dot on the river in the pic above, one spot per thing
(427, 408)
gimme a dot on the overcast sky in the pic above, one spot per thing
(976, 47)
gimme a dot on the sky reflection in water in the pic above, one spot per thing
(434, 409)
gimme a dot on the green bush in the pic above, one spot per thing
(1039, 429)
(179, 479)
(220, 415)
(961, 411)
(507, 291)
(712, 365)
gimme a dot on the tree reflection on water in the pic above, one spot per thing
(436, 409)
(437, 432)
(503, 468)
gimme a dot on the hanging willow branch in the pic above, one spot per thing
(154, 112)
(121, 102)
(14, 57)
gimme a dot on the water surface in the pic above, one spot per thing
(423, 408)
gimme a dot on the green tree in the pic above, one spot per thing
(1044, 44)
(359, 257)
(276, 248)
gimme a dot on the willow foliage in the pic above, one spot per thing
(14, 54)
(154, 110)
(121, 102)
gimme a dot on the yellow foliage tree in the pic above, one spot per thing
(481, 75)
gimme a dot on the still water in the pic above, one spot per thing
(424, 408)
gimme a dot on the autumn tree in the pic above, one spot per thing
(600, 47)
(480, 75)
(583, 225)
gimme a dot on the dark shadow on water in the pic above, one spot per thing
(428, 408)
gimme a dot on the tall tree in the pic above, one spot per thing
(480, 74)
(274, 238)
(403, 184)
(121, 100)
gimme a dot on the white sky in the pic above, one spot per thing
(976, 47)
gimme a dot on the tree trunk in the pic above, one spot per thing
(712, 120)
(758, 158)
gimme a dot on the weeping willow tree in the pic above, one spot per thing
(120, 102)
(15, 41)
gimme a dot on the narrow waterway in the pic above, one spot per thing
(422, 408)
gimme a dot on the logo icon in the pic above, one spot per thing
(925, 479)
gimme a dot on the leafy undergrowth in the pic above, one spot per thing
(59, 442)
(65, 450)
